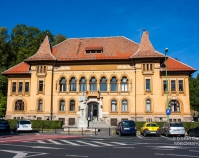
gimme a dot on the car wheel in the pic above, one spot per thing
(192, 134)
(120, 133)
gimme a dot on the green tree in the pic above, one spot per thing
(5, 48)
(58, 39)
(2, 105)
(25, 41)
(194, 92)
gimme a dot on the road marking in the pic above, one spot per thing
(40, 141)
(139, 136)
(102, 143)
(118, 143)
(45, 147)
(21, 154)
(87, 143)
(52, 141)
(70, 143)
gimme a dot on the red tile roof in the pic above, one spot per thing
(21, 68)
(146, 49)
(74, 49)
(113, 48)
(175, 65)
(43, 53)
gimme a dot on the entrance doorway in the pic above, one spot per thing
(93, 111)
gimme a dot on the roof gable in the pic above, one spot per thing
(43, 53)
(146, 49)
(21, 68)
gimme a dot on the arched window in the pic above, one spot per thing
(19, 105)
(124, 84)
(83, 84)
(72, 105)
(148, 105)
(174, 105)
(72, 84)
(124, 105)
(62, 105)
(113, 84)
(103, 84)
(40, 104)
(62, 84)
(113, 105)
(93, 84)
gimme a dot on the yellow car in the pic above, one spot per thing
(150, 128)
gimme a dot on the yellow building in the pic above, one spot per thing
(120, 79)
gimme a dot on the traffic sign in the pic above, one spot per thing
(168, 111)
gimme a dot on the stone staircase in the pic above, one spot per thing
(98, 124)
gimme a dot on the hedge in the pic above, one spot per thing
(38, 124)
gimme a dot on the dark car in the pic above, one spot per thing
(4, 125)
(193, 132)
(126, 127)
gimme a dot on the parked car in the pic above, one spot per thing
(23, 125)
(193, 132)
(173, 129)
(150, 128)
(126, 127)
(4, 125)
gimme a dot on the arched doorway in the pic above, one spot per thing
(93, 111)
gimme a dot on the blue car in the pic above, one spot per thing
(126, 127)
(4, 125)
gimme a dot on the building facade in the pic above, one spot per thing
(119, 78)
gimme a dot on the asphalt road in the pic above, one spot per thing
(90, 146)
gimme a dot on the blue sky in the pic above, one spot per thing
(171, 24)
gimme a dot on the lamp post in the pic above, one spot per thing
(167, 106)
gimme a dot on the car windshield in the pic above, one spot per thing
(3, 122)
(24, 122)
(128, 124)
(176, 125)
(152, 125)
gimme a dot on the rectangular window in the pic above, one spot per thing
(13, 86)
(173, 86)
(165, 85)
(180, 85)
(20, 86)
(27, 87)
(148, 86)
(41, 86)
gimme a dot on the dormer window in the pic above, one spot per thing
(94, 50)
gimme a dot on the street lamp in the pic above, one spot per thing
(167, 107)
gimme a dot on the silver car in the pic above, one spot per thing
(173, 129)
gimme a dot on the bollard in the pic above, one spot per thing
(55, 130)
(68, 130)
(109, 132)
(82, 130)
(95, 131)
